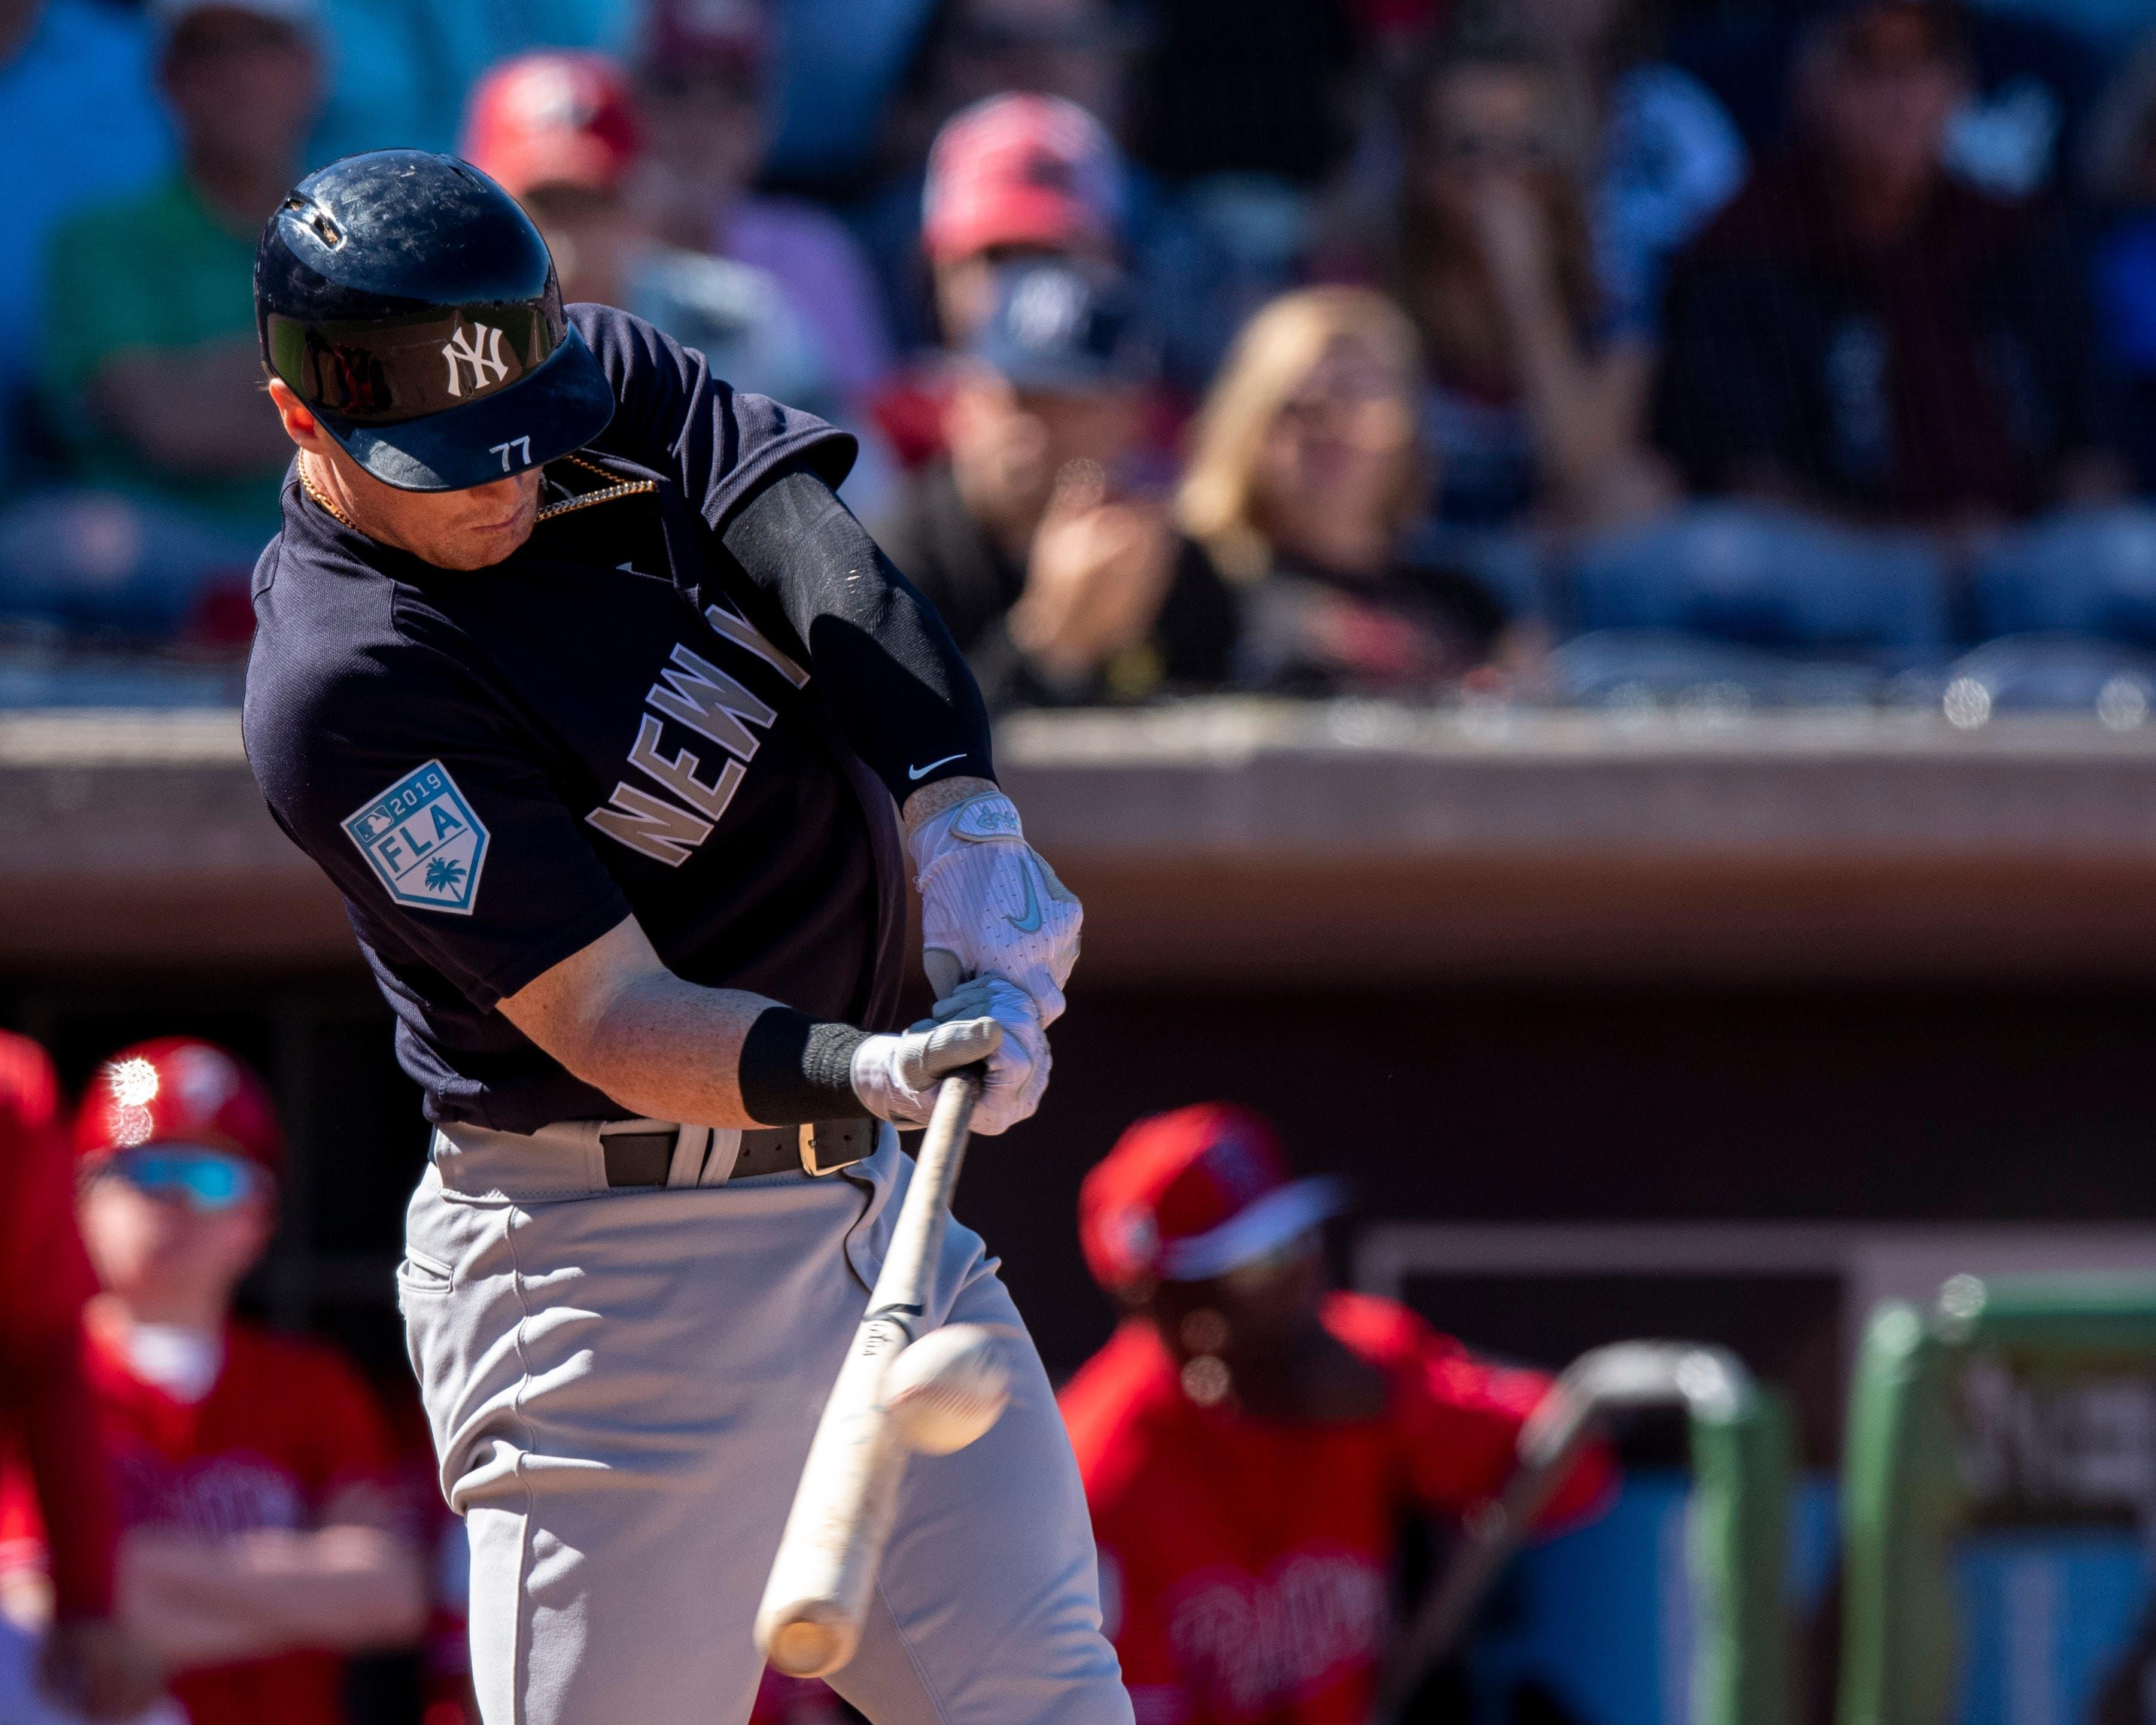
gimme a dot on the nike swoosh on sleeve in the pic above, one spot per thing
(918, 773)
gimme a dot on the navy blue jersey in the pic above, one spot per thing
(496, 767)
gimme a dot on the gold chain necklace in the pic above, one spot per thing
(605, 494)
(307, 484)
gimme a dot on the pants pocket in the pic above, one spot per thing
(422, 1283)
(419, 1276)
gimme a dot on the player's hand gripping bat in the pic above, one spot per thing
(818, 1596)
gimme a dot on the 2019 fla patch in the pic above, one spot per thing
(421, 837)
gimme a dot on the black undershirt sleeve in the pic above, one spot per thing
(893, 679)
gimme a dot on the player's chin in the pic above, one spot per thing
(481, 545)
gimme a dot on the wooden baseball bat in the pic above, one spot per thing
(817, 1598)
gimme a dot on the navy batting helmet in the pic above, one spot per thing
(411, 304)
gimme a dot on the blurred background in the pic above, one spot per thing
(1573, 583)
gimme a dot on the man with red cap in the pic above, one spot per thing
(257, 1543)
(48, 1423)
(566, 135)
(1014, 177)
(1252, 1445)
(1011, 178)
(563, 134)
(1041, 536)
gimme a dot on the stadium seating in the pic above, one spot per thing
(1738, 572)
(1730, 604)
(2083, 572)
(1638, 668)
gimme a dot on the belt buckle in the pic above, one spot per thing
(829, 1145)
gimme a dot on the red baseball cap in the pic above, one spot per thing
(1192, 1195)
(177, 1090)
(553, 120)
(1019, 170)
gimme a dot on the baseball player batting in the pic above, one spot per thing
(620, 738)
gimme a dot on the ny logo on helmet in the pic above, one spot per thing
(483, 355)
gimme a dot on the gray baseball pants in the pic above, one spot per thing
(622, 1385)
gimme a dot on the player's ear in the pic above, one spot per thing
(300, 424)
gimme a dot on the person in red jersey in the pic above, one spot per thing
(1252, 1445)
(48, 1423)
(259, 1543)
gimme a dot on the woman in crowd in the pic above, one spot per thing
(1305, 477)
(1537, 398)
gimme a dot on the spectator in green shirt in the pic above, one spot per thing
(151, 373)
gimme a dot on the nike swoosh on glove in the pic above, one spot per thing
(895, 1076)
(991, 901)
(1017, 1069)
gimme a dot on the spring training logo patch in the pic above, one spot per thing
(422, 838)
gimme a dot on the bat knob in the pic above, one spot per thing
(809, 1646)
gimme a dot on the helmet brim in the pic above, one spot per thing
(561, 406)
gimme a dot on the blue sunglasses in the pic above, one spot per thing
(208, 1180)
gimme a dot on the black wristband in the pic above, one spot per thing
(794, 1068)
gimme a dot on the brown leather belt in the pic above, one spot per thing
(642, 1155)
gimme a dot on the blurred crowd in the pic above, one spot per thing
(1748, 352)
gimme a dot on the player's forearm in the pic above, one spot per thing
(665, 1048)
(341, 1588)
(897, 686)
(668, 1050)
(662, 1048)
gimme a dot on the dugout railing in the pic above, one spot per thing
(1902, 1499)
(1741, 1458)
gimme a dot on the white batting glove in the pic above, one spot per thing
(1017, 1069)
(990, 899)
(895, 1076)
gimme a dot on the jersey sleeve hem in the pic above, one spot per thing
(829, 451)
